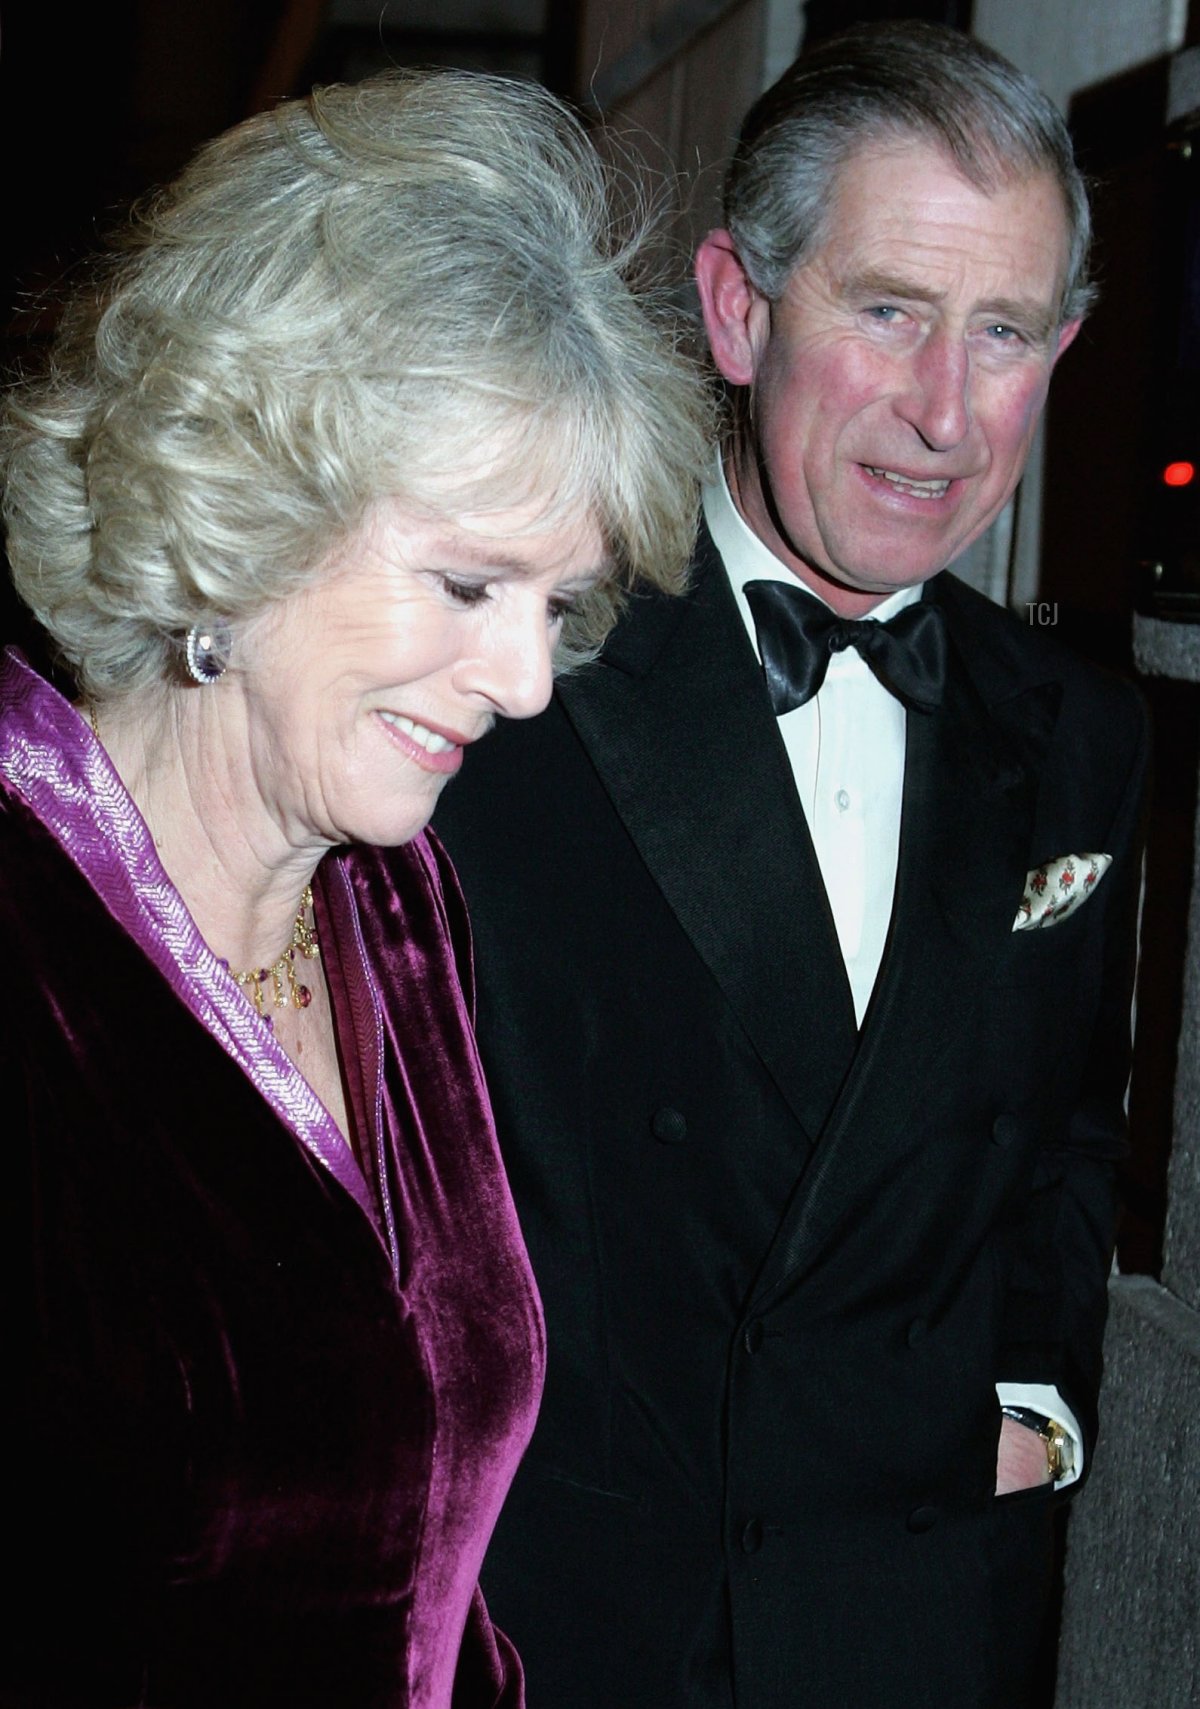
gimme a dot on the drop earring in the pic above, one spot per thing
(207, 650)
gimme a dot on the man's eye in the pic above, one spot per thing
(885, 312)
(464, 593)
(1001, 333)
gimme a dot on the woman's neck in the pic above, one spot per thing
(185, 758)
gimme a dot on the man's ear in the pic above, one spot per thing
(736, 314)
(1066, 336)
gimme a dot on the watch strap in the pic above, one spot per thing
(1060, 1448)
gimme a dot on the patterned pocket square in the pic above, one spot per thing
(1055, 890)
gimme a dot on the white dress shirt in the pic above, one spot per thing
(846, 750)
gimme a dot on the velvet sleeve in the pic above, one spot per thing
(445, 883)
(489, 1670)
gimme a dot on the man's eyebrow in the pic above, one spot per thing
(874, 282)
(1036, 318)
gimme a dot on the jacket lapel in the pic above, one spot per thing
(970, 794)
(709, 802)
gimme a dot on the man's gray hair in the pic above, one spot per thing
(876, 83)
(413, 288)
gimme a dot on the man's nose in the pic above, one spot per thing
(514, 667)
(937, 400)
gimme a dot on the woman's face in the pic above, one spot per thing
(361, 693)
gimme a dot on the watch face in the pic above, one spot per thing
(1060, 1450)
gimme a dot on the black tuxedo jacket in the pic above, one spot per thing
(784, 1264)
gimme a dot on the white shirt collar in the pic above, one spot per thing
(747, 559)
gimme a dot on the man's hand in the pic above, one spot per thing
(1021, 1459)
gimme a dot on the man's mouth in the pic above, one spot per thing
(431, 740)
(905, 483)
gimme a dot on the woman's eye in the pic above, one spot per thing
(464, 593)
(558, 610)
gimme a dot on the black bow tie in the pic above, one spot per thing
(797, 635)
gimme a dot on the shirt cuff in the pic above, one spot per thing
(1045, 1398)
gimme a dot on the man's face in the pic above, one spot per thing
(896, 386)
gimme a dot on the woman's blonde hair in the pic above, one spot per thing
(414, 287)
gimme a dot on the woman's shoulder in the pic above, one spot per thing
(414, 871)
(412, 892)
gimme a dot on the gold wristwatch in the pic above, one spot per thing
(1060, 1448)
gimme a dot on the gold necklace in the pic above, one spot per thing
(280, 978)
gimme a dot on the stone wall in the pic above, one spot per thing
(1131, 1615)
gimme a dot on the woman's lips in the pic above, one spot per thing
(436, 750)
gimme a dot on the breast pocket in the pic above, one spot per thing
(1066, 955)
(1041, 1006)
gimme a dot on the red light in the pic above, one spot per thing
(1179, 474)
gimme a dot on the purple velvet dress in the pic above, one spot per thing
(276, 1401)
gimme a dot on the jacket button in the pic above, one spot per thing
(668, 1125)
(752, 1340)
(1005, 1128)
(752, 1537)
(923, 1519)
(918, 1329)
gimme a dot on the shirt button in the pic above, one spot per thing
(922, 1519)
(752, 1537)
(753, 1338)
(842, 799)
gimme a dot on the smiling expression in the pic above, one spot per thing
(361, 693)
(897, 384)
